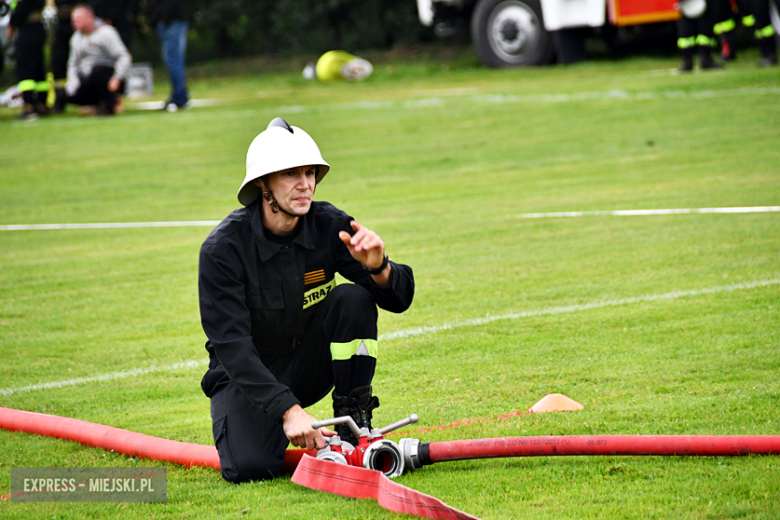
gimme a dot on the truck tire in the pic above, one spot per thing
(510, 33)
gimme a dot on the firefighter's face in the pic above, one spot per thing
(293, 189)
(82, 20)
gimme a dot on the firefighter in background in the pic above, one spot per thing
(725, 28)
(27, 23)
(765, 33)
(696, 31)
(60, 45)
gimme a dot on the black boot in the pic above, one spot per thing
(40, 103)
(59, 101)
(358, 405)
(768, 50)
(28, 112)
(705, 59)
(687, 60)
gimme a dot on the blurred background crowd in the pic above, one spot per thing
(80, 52)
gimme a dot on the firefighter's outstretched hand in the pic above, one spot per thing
(365, 246)
(297, 428)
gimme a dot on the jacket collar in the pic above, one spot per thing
(268, 249)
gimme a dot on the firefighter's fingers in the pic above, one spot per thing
(373, 249)
(356, 225)
(365, 239)
(372, 241)
(318, 441)
(360, 234)
(359, 237)
(345, 237)
(297, 428)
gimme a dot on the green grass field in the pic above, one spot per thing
(663, 324)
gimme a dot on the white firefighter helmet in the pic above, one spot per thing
(279, 147)
(693, 8)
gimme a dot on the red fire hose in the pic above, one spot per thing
(187, 454)
(351, 481)
(701, 445)
(123, 441)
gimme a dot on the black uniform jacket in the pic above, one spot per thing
(24, 9)
(257, 297)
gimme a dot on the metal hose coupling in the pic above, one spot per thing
(386, 456)
(416, 453)
(374, 451)
(332, 456)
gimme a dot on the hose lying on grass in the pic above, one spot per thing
(189, 454)
(330, 477)
(123, 441)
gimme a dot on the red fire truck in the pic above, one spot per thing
(513, 33)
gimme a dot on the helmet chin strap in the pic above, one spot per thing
(269, 197)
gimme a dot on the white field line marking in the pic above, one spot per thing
(105, 377)
(647, 212)
(196, 223)
(159, 105)
(573, 308)
(110, 225)
(417, 331)
(619, 95)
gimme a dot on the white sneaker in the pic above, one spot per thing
(309, 71)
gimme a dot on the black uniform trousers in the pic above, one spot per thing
(764, 32)
(60, 49)
(251, 445)
(698, 32)
(30, 70)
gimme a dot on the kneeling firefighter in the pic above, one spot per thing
(281, 332)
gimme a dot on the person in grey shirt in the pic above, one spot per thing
(98, 63)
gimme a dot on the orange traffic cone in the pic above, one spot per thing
(555, 403)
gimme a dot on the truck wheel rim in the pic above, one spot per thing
(514, 30)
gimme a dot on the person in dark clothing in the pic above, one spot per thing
(765, 32)
(697, 31)
(730, 15)
(169, 19)
(60, 45)
(119, 13)
(27, 23)
(281, 332)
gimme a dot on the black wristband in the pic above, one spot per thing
(379, 269)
